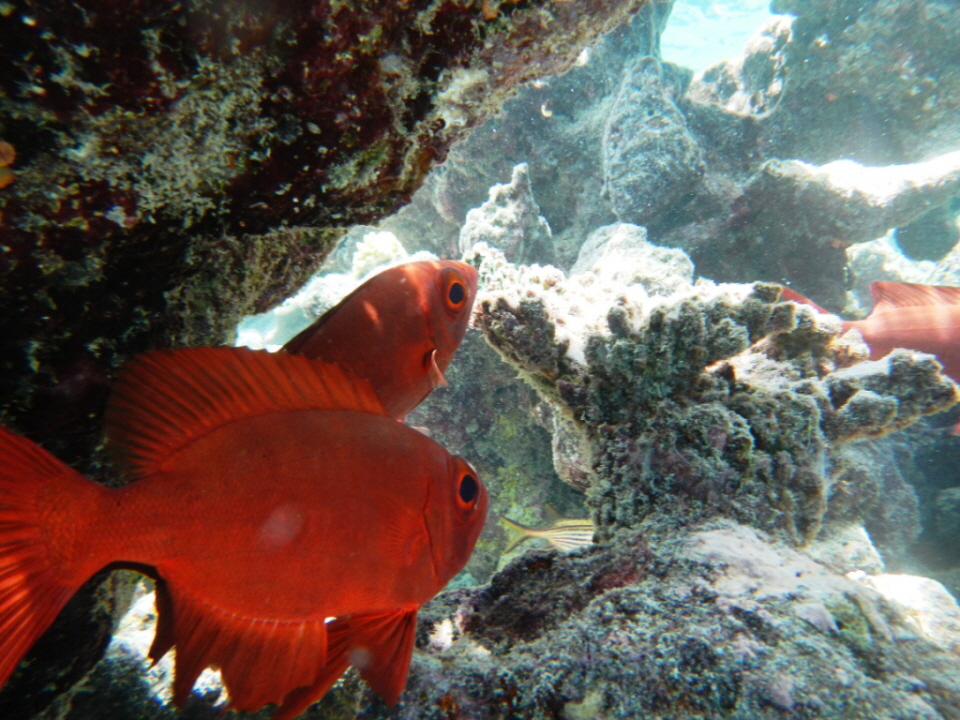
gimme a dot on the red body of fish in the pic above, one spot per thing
(925, 318)
(294, 528)
(399, 330)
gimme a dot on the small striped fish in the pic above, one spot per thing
(563, 533)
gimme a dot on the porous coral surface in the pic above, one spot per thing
(715, 399)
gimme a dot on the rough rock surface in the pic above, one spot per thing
(889, 106)
(622, 254)
(510, 221)
(556, 126)
(179, 167)
(685, 410)
(714, 621)
(651, 162)
(876, 82)
(802, 210)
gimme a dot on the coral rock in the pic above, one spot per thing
(622, 254)
(674, 620)
(650, 160)
(683, 410)
(510, 220)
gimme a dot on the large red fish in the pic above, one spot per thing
(925, 318)
(399, 330)
(293, 527)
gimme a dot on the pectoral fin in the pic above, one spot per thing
(436, 374)
(379, 646)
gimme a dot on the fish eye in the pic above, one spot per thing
(469, 495)
(453, 287)
(469, 489)
(456, 293)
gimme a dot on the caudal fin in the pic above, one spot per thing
(34, 585)
(516, 533)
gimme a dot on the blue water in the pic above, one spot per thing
(701, 33)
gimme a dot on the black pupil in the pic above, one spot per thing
(468, 488)
(457, 293)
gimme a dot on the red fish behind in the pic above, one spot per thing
(399, 330)
(925, 318)
(293, 527)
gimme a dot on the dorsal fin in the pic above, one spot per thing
(788, 294)
(888, 295)
(552, 515)
(165, 398)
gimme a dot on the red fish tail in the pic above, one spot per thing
(34, 586)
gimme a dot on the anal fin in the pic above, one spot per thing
(380, 648)
(261, 660)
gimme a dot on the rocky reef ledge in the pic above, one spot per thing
(713, 620)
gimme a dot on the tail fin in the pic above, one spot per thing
(516, 533)
(34, 586)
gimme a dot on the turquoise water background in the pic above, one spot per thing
(701, 33)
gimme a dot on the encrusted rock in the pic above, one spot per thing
(622, 254)
(650, 160)
(866, 81)
(685, 411)
(669, 619)
(510, 220)
(947, 514)
(791, 209)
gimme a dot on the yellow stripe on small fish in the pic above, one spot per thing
(564, 534)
